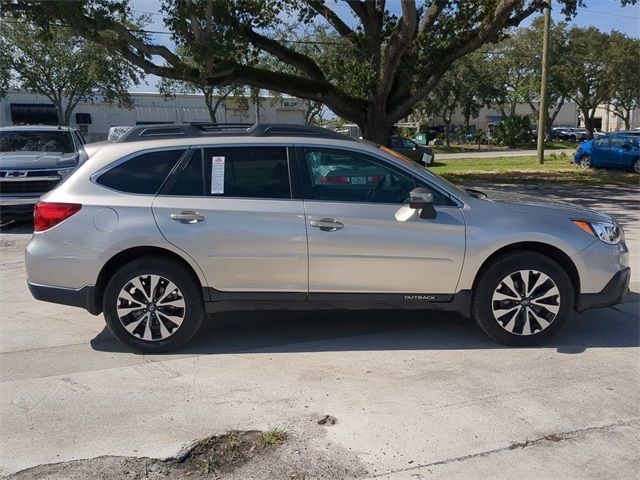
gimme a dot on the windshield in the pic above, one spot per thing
(36, 141)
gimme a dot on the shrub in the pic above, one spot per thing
(513, 130)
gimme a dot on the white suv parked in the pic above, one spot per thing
(156, 234)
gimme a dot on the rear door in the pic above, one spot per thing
(231, 208)
(363, 237)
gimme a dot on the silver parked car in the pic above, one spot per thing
(156, 234)
(33, 160)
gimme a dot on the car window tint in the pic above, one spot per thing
(188, 179)
(253, 172)
(345, 176)
(602, 142)
(617, 142)
(142, 174)
(408, 143)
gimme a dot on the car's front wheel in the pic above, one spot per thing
(153, 304)
(585, 162)
(636, 165)
(522, 299)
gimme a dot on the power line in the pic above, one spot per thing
(610, 14)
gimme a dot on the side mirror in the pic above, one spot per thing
(626, 146)
(422, 199)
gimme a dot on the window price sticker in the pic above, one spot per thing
(217, 175)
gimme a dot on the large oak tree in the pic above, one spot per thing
(383, 64)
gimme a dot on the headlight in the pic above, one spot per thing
(608, 232)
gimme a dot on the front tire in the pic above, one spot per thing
(636, 165)
(522, 299)
(153, 304)
(585, 162)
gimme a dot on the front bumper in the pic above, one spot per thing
(19, 200)
(612, 293)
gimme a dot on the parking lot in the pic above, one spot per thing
(415, 394)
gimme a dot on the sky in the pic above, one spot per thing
(606, 15)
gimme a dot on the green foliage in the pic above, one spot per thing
(273, 436)
(65, 68)
(513, 130)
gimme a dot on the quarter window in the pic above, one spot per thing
(143, 174)
(252, 172)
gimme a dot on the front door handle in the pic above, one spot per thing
(327, 224)
(187, 216)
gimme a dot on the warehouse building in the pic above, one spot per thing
(94, 118)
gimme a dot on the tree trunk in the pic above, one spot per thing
(61, 114)
(447, 130)
(588, 122)
(627, 119)
(208, 99)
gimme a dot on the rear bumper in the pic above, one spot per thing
(612, 293)
(84, 297)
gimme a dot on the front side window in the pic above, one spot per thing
(345, 176)
(143, 174)
(602, 142)
(251, 172)
(36, 141)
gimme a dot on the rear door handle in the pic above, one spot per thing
(187, 216)
(327, 224)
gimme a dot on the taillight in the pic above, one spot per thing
(47, 215)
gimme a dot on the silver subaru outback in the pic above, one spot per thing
(172, 223)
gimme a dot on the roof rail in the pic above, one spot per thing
(166, 131)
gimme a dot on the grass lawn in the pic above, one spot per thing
(526, 170)
(556, 144)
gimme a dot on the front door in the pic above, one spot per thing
(231, 209)
(363, 237)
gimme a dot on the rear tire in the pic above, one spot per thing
(522, 299)
(153, 304)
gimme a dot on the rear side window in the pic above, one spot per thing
(252, 172)
(143, 174)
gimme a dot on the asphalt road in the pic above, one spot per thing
(415, 395)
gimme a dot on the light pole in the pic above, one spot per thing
(542, 114)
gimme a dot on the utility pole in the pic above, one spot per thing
(542, 115)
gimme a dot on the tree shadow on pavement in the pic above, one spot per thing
(278, 332)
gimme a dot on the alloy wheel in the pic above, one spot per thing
(526, 302)
(636, 166)
(151, 307)
(585, 162)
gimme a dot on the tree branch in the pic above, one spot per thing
(334, 20)
(432, 14)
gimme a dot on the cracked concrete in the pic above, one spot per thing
(416, 395)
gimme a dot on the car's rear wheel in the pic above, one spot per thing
(153, 304)
(585, 162)
(522, 299)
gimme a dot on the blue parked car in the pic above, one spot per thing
(616, 150)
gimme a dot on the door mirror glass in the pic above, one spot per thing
(422, 199)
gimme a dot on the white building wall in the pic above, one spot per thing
(153, 108)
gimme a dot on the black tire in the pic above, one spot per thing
(585, 162)
(188, 290)
(636, 165)
(491, 279)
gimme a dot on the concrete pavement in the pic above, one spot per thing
(416, 395)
